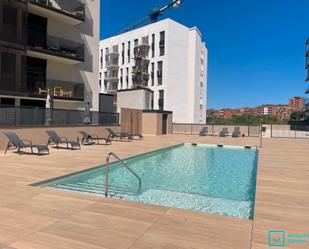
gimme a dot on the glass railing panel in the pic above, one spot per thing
(71, 7)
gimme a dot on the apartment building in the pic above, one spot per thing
(296, 103)
(49, 46)
(166, 57)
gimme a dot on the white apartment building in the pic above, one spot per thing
(49, 46)
(166, 57)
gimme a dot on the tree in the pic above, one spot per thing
(297, 115)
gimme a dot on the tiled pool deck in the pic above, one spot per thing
(37, 218)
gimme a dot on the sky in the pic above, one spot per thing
(256, 48)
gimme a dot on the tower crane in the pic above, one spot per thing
(153, 16)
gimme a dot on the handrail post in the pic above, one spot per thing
(106, 176)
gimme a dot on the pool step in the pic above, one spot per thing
(194, 202)
(97, 189)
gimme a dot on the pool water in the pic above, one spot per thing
(219, 180)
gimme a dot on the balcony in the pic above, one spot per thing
(112, 64)
(140, 70)
(113, 52)
(112, 76)
(62, 90)
(140, 77)
(55, 48)
(112, 87)
(71, 12)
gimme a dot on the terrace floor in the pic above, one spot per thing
(37, 218)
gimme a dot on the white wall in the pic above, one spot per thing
(135, 99)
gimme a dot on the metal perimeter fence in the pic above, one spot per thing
(271, 131)
(32, 116)
(194, 129)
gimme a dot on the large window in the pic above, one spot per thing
(127, 77)
(160, 72)
(161, 100)
(152, 73)
(122, 54)
(13, 21)
(129, 51)
(135, 42)
(36, 73)
(162, 43)
(153, 45)
(121, 78)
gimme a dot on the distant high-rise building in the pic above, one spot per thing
(296, 103)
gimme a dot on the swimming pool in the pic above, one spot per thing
(219, 180)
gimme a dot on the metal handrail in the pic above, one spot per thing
(125, 165)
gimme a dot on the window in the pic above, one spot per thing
(122, 53)
(100, 80)
(105, 81)
(153, 46)
(8, 64)
(121, 78)
(106, 56)
(129, 51)
(152, 73)
(101, 59)
(162, 43)
(201, 84)
(161, 100)
(135, 42)
(160, 72)
(127, 77)
(9, 15)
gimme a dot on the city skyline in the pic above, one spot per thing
(248, 60)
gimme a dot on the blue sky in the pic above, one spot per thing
(256, 47)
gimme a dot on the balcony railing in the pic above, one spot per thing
(113, 51)
(56, 46)
(71, 8)
(139, 70)
(60, 89)
(112, 87)
(38, 89)
(112, 63)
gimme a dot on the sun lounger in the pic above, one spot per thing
(54, 138)
(236, 132)
(119, 135)
(17, 143)
(135, 136)
(224, 132)
(204, 131)
(88, 139)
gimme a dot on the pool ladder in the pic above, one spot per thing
(125, 165)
